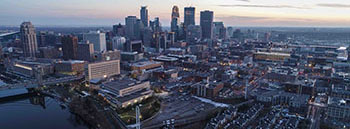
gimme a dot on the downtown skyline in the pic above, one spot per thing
(307, 13)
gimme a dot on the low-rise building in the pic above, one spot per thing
(125, 92)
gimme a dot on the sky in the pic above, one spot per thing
(275, 13)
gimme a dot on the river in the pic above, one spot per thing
(37, 113)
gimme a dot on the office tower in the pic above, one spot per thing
(98, 39)
(102, 69)
(155, 25)
(69, 47)
(193, 34)
(189, 16)
(138, 29)
(118, 43)
(133, 27)
(206, 22)
(175, 20)
(119, 30)
(171, 39)
(130, 22)
(85, 51)
(147, 36)
(28, 39)
(160, 41)
(219, 30)
(144, 15)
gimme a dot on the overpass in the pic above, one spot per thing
(34, 84)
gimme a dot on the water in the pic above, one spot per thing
(38, 113)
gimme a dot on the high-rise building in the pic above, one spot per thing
(155, 25)
(133, 28)
(144, 15)
(119, 30)
(175, 20)
(206, 22)
(194, 33)
(85, 51)
(147, 36)
(130, 22)
(189, 16)
(219, 30)
(28, 39)
(171, 39)
(69, 47)
(118, 43)
(98, 39)
(160, 41)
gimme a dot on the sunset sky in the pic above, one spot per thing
(293, 13)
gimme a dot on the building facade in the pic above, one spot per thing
(28, 39)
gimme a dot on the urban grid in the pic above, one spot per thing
(140, 74)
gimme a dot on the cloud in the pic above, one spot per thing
(264, 6)
(244, 0)
(268, 21)
(334, 5)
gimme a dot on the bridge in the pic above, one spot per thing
(34, 84)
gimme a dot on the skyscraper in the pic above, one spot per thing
(69, 47)
(28, 39)
(98, 39)
(175, 20)
(155, 25)
(219, 30)
(193, 34)
(206, 22)
(131, 27)
(144, 16)
(189, 16)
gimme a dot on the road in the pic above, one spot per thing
(315, 117)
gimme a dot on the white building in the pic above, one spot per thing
(102, 70)
(98, 39)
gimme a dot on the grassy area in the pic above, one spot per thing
(149, 107)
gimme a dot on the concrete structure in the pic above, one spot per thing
(219, 30)
(98, 39)
(28, 39)
(70, 67)
(85, 51)
(118, 43)
(107, 56)
(131, 56)
(127, 92)
(206, 23)
(208, 89)
(102, 70)
(193, 33)
(69, 47)
(270, 56)
(146, 65)
(338, 109)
